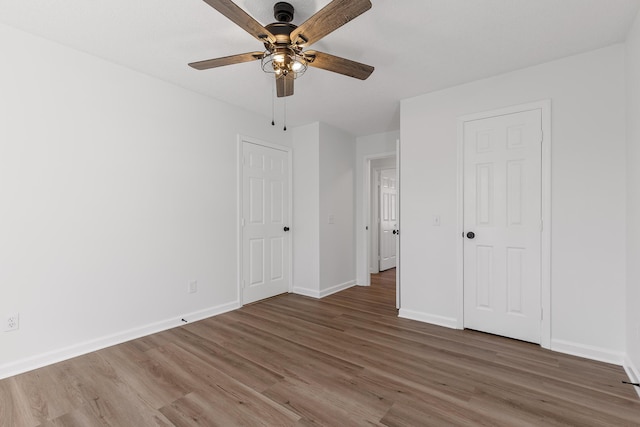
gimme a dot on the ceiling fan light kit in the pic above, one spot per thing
(284, 54)
(283, 61)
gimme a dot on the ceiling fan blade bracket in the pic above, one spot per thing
(300, 41)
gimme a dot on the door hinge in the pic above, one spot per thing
(541, 226)
(242, 222)
(541, 313)
(541, 136)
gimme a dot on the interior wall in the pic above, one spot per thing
(633, 198)
(323, 182)
(306, 209)
(337, 206)
(587, 93)
(372, 145)
(116, 191)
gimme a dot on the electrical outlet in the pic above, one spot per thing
(12, 322)
(193, 287)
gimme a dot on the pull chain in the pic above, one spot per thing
(273, 104)
(285, 114)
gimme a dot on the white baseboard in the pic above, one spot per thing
(314, 293)
(588, 352)
(307, 292)
(632, 372)
(434, 319)
(55, 356)
(337, 288)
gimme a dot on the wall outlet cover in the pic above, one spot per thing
(12, 322)
(193, 287)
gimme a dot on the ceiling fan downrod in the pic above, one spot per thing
(283, 12)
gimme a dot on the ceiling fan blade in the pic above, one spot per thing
(227, 60)
(284, 85)
(241, 19)
(328, 19)
(338, 65)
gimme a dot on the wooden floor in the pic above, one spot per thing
(340, 361)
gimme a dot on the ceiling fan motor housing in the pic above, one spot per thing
(283, 12)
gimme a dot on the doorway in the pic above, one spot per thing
(373, 167)
(387, 218)
(504, 245)
(264, 225)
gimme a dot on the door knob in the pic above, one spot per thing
(395, 232)
(286, 228)
(471, 235)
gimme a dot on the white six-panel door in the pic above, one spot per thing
(388, 219)
(265, 222)
(502, 225)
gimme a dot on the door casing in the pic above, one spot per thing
(369, 196)
(545, 266)
(369, 193)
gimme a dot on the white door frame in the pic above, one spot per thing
(374, 229)
(366, 211)
(398, 210)
(240, 163)
(545, 265)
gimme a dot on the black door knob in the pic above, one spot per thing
(286, 229)
(395, 232)
(471, 235)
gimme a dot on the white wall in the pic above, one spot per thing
(324, 254)
(306, 209)
(633, 198)
(588, 195)
(337, 200)
(367, 146)
(116, 191)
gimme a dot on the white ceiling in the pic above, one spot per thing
(416, 46)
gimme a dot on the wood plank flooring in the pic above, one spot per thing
(345, 360)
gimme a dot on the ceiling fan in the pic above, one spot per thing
(285, 43)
